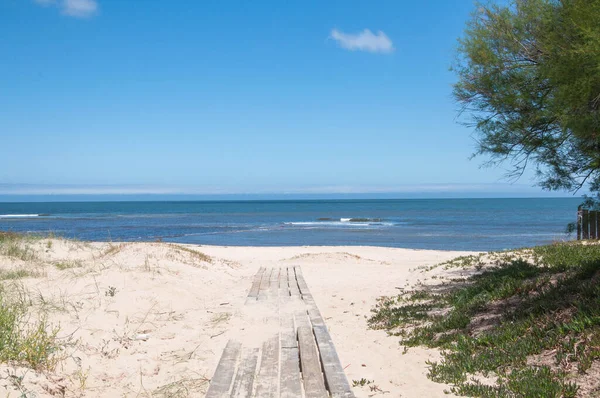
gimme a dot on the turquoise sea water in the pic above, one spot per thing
(447, 224)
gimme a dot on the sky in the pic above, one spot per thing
(202, 97)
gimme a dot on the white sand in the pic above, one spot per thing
(162, 333)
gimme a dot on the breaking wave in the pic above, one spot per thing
(21, 215)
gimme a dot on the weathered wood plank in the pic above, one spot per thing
(267, 381)
(335, 378)
(264, 284)
(301, 282)
(256, 283)
(242, 385)
(315, 316)
(293, 283)
(314, 386)
(274, 282)
(288, 331)
(284, 289)
(301, 319)
(220, 384)
(289, 380)
(275, 276)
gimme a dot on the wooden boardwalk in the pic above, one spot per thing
(294, 357)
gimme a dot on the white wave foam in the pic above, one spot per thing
(345, 219)
(18, 215)
(345, 224)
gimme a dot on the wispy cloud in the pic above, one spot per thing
(80, 8)
(364, 41)
(73, 8)
(407, 190)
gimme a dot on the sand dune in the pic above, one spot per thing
(151, 319)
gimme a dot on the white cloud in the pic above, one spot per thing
(364, 41)
(79, 8)
(73, 8)
(400, 191)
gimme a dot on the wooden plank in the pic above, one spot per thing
(274, 282)
(301, 282)
(264, 284)
(293, 283)
(585, 224)
(315, 317)
(301, 319)
(309, 300)
(335, 378)
(284, 290)
(242, 385)
(267, 382)
(312, 377)
(275, 276)
(256, 283)
(289, 380)
(288, 331)
(593, 223)
(220, 384)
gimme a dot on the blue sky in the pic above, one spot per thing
(234, 97)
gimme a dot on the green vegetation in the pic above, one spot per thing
(18, 273)
(361, 383)
(186, 387)
(194, 253)
(22, 340)
(63, 265)
(530, 321)
(113, 249)
(16, 246)
(528, 75)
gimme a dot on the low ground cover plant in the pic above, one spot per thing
(527, 324)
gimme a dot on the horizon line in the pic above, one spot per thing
(4, 198)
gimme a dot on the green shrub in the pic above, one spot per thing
(540, 300)
(23, 340)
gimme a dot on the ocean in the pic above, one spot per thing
(441, 224)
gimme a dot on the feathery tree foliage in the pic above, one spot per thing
(529, 76)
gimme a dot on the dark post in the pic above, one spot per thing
(579, 220)
(585, 223)
(593, 223)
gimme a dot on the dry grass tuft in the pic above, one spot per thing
(194, 253)
(183, 388)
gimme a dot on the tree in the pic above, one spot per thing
(529, 77)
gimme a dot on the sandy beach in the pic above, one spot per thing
(151, 319)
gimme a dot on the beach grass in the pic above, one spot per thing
(16, 246)
(527, 324)
(23, 339)
(68, 264)
(193, 253)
